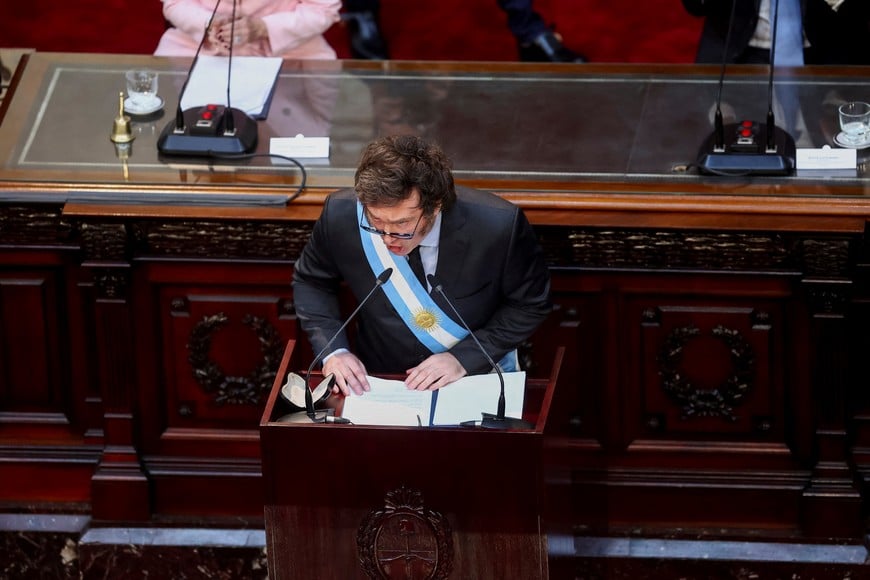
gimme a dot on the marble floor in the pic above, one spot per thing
(53, 546)
(63, 546)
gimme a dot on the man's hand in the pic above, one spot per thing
(435, 372)
(350, 374)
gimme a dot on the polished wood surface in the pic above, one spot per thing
(715, 328)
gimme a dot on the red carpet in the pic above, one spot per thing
(603, 30)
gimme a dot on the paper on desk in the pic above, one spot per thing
(390, 403)
(467, 398)
(253, 82)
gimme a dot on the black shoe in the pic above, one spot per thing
(548, 47)
(365, 36)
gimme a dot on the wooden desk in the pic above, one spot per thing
(715, 373)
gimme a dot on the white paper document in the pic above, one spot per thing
(391, 403)
(253, 81)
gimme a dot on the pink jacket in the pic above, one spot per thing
(295, 27)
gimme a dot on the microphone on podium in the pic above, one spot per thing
(747, 147)
(209, 130)
(296, 383)
(489, 420)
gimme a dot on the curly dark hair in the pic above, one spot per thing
(392, 167)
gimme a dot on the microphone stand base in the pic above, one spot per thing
(490, 421)
(206, 138)
(748, 155)
(318, 416)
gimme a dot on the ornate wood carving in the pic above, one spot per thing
(826, 257)
(104, 241)
(694, 250)
(718, 402)
(231, 239)
(249, 390)
(828, 298)
(405, 540)
(111, 283)
(42, 223)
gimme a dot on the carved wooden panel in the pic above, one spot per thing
(210, 341)
(220, 332)
(710, 369)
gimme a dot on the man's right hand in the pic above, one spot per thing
(350, 374)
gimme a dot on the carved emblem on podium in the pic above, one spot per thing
(404, 540)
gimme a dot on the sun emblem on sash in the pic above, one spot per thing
(425, 319)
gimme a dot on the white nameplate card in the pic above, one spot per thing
(300, 147)
(826, 158)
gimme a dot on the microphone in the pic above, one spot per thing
(747, 147)
(322, 416)
(210, 130)
(489, 421)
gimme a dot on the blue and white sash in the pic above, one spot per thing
(432, 327)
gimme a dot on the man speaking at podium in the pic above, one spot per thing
(405, 213)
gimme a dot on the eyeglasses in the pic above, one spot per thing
(377, 232)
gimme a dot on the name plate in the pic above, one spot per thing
(826, 158)
(300, 147)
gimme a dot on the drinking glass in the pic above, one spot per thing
(855, 122)
(142, 87)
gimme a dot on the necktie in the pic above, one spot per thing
(789, 32)
(417, 265)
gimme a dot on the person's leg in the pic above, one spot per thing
(362, 20)
(524, 23)
(535, 40)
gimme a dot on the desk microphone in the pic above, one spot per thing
(209, 130)
(747, 147)
(489, 421)
(323, 416)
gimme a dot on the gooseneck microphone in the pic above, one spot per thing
(179, 114)
(747, 147)
(321, 416)
(489, 421)
(209, 130)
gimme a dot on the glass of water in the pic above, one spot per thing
(142, 87)
(855, 122)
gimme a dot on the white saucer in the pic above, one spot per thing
(840, 140)
(152, 106)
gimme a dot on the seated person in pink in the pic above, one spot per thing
(285, 28)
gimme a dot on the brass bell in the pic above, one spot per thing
(121, 129)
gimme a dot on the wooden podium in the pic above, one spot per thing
(348, 501)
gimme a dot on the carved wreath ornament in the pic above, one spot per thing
(718, 402)
(213, 380)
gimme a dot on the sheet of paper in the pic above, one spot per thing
(388, 403)
(467, 398)
(391, 403)
(253, 80)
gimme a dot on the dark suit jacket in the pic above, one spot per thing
(489, 263)
(841, 37)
